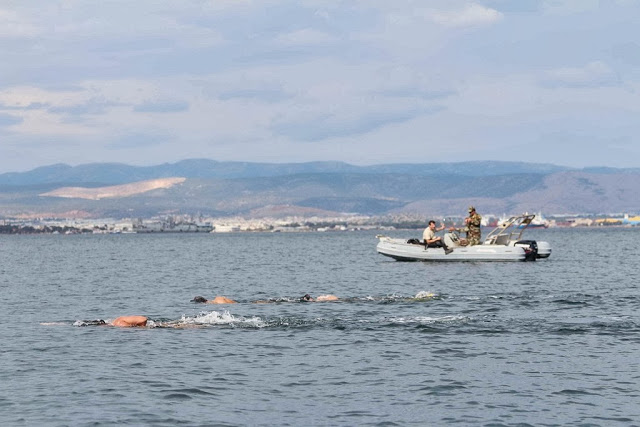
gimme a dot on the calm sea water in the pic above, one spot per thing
(552, 342)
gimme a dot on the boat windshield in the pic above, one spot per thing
(509, 230)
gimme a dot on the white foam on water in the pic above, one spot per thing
(400, 297)
(430, 320)
(425, 295)
(221, 318)
(614, 318)
(88, 323)
(255, 322)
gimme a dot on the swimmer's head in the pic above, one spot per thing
(199, 299)
(306, 297)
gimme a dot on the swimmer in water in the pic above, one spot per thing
(129, 321)
(216, 300)
(121, 322)
(320, 298)
(306, 298)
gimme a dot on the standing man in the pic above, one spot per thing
(473, 226)
(433, 241)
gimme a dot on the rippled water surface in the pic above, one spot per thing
(552, 342)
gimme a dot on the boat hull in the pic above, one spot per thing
(400, 250)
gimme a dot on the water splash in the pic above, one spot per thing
(220, 318)
(98, 322)
(426, 295)
(426, 320)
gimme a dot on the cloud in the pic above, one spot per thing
(9, 120)
(594, 74)
(416, 92)
(305, 36)
(160, 80)
(627, 52)
(166, 106)
(91, 106)
(137, 140)
(263, 95)
(14, 26)
(470, 16)
(337, 125)
(31, 106)
(568, 7)
(519, 6)
(409, 82)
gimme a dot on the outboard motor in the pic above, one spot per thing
(530, 249)
(451, 239)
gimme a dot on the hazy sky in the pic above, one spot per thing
(366, 82)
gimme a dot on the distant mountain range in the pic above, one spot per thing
(319, 188)
(117, 173)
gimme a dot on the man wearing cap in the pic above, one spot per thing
(473, 226)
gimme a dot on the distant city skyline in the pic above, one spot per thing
(361, 82)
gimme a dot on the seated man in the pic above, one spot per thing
(433, 241)
(216, 300)
(309, 298)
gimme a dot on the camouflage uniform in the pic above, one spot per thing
(473, 229)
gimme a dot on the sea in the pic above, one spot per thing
(554, 342)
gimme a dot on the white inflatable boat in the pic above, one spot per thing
(504, 243)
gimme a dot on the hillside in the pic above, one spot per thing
(317, 189)
(113, 191)
(116, 173)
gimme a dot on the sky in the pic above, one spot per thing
(365, 82)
